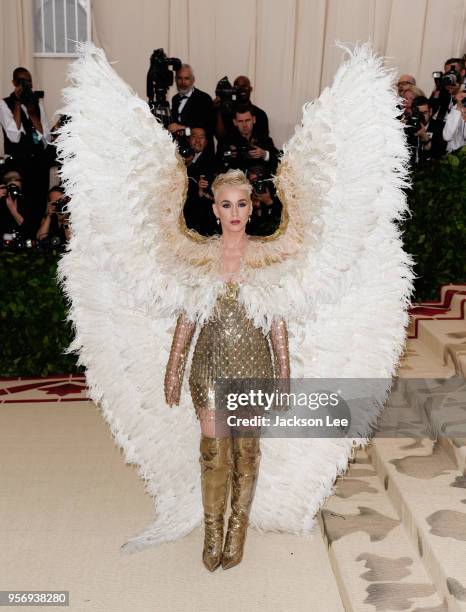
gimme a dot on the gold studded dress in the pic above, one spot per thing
(228, 346)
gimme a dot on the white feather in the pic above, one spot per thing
(339, 276)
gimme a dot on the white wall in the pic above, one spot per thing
(285, 46)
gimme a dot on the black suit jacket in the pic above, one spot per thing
(244, 162)
(205, 164)
(197, 112)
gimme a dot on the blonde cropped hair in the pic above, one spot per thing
(415, 90)
(232, 178)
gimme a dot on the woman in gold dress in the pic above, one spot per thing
(228, 346)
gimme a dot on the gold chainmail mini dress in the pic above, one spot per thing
(228, 346)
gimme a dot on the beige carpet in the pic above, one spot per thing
(68, 502)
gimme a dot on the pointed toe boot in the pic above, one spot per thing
(216, 468)
(246, 457)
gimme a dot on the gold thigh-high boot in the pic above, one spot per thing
(216, 468)
(246, 457)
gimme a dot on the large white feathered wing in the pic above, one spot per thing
(342, 174)
(122, 173)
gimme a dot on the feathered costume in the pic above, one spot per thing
(335, 271)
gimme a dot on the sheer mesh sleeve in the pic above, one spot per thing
(176, 365)
(279, 338)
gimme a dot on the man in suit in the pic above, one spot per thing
(428, 138)
(443, 96)
(191, 107)
(200, 167)
(246, 147)
(202, 163)
(267, 208)
(224, 126)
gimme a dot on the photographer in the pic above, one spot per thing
(246, 147)
(190, 106)
(405, 80)
(225, 111)
(202, 161)
(410, 92)
(55, 230)
(447, 85)
(412, 121)
(429, 140)
(267, 208)
(454, 131)
(26, 132)
(200, 167)
(14, 214)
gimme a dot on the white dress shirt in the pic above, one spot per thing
(183, 102)
(7, 120)
(454, 130)
(196, 156)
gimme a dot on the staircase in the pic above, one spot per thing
(396, 526)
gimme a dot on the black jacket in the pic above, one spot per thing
(242, 161)
(205, 164)
(26, 147)
(197, 112)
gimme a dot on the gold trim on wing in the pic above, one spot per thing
(266, 250)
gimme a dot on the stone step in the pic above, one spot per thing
(444, 289)
(441, 403)
(443, 337)
(420, 361)
(375, 564)
(454, 307)
(429, 494)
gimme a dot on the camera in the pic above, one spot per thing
(159, 81)
(13, 191)
(50, 243)
(184, 149)
(228, 95)
(446, 79)
(415, 121)
(28, 96)
(61, 205)
(242, 151)
(259, 186)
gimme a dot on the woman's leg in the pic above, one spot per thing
(216, 468)
(246, 457)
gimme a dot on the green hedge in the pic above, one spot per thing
(436, 232)
(33, 326)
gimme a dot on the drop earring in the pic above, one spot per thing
(218, 221)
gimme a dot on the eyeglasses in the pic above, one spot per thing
(405, 83)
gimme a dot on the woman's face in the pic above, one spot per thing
(408, 97)
(233, 207)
